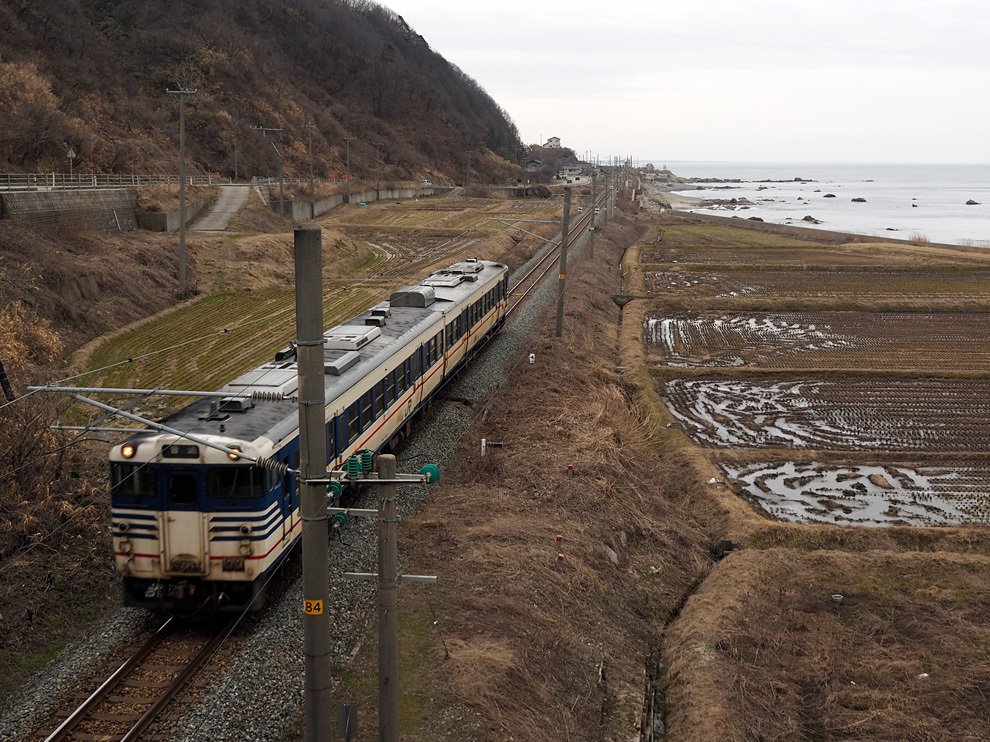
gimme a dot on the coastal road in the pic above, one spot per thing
(228, 203)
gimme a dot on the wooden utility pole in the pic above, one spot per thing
(313, 465)
(182, 183)
(562, 281)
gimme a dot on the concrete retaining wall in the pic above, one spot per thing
(299, 211)
(107, 211)
(168, 221)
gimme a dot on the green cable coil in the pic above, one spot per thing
(334, 489)
(339, 520)
(432, 472)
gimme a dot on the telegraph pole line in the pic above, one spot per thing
(594, 210)
(562, 281)
(182, 182)
(312, 466)
(378, 170)
(281, 166)
(347, 176)
(312, 189)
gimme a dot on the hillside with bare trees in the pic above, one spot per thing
(92, 75)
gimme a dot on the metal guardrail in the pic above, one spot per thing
(90, 181)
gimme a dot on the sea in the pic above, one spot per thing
(911, 202)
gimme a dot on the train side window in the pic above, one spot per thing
(271, 480)
(182, 489)
(331, 439)
(379, 389)
(400, 380)
(417, 363)
(389, 388)
(367, 400)
(232, 482)
(353, 421)
(135, 480)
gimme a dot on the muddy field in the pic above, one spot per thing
(881, 495)
(895, 341)
(833, 414)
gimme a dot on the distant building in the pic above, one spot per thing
(534, 166)
(571, 171)
(553, 143)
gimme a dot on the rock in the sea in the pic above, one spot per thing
(829, 195)
(971, 202)
(811, 219)
(755, 219)
(859, 200)
(914, 206)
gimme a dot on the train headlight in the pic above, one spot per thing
(234, 456)
(128, 451)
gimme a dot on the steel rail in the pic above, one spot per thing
(182, 681)
(65, 729)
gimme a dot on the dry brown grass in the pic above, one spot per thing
(166, 197)
(761, 651)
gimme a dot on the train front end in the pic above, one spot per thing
(196, 530)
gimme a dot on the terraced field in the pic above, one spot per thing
(873, 377)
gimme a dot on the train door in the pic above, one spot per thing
(184, 547)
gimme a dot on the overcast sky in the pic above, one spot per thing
(764, 80)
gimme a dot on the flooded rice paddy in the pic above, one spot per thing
(883, 495)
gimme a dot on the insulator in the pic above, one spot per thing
(353, 465)
(263, 396)
(366, 459)
(274, 465)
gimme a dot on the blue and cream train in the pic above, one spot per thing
(197, 530)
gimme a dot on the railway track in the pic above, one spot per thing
(535, 275)
(129, 703)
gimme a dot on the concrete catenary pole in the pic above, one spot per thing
(467, 177)
(388, 605)
(312, 465)
(562, 281)
(182, 183)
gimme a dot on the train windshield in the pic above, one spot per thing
(233, 482)
(129, 482)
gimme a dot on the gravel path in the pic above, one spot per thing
(263, 689)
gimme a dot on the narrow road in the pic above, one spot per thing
(230, 200)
